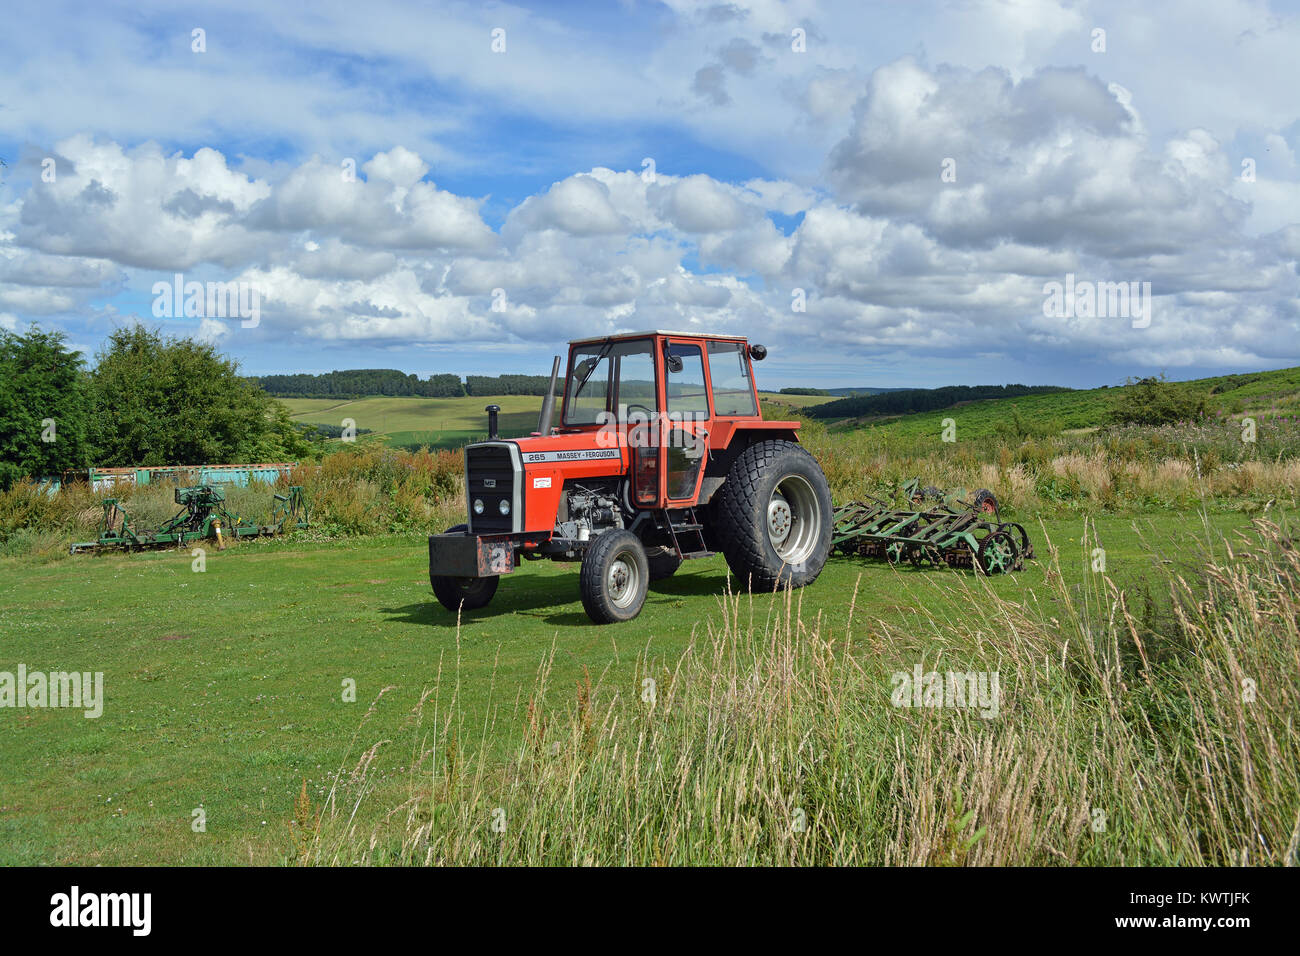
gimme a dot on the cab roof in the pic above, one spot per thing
(652, 332)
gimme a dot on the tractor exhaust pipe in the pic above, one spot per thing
(548, 403)
(492, 420)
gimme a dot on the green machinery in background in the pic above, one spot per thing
(203, 515)
(940, 529)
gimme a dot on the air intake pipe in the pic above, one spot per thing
(548, 403)
(492, 420)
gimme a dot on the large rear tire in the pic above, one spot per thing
(614, 577)
(773, 519)
(468, 594)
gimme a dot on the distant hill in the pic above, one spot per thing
(1263, 395)
(841, 392)
(864, 390)
(910, 400)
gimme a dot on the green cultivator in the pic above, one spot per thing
(946, 530)
(203, 515)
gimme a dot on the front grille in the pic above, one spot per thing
(490, 475)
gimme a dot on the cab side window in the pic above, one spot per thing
(686, 390)
(733, 392)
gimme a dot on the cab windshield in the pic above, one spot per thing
(613, 377)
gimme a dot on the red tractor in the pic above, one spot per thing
(661, 454)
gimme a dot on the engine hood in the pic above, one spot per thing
(590, 446)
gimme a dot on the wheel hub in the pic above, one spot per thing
(621, 579)
(779, 519)
(794, 519)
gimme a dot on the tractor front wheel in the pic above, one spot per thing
(774, 516)
(614, 577)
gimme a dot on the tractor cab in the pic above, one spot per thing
(658, 395)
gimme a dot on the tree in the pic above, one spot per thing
(178, 402)
(356, 383)
(42, 406)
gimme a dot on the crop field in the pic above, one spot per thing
(435, 422)
(224, 689)
(446, 422)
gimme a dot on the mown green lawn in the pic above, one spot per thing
(224, 688)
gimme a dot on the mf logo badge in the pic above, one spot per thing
(489, 482)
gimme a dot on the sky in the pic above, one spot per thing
(884, 194)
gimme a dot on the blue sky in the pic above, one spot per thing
(916, 174)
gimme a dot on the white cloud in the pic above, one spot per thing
(579, 205)
(1123, 165)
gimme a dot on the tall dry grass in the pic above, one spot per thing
(369, 489)
(366, 489)
(1118, 740)
(1119, 470)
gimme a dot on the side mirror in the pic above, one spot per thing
(583, 370)
(671, 362)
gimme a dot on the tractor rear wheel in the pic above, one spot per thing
(614, 577)
(774, 516)
(470, 594)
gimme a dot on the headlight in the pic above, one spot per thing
(478, 506)
(504, 507)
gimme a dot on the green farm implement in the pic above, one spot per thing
(203, 515)
(940, 529)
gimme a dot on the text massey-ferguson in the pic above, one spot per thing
(661, 454)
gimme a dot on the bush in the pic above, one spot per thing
(1155, 401)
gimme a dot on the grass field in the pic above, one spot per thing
(1125, 687)
(224, 688)
(435, 422)
(445, 422)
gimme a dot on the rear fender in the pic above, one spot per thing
(738, 436)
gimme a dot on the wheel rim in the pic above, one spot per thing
(778, 519)
(794, 519)
(623, 580)
(997, 558)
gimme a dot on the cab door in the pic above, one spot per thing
(684, 425)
